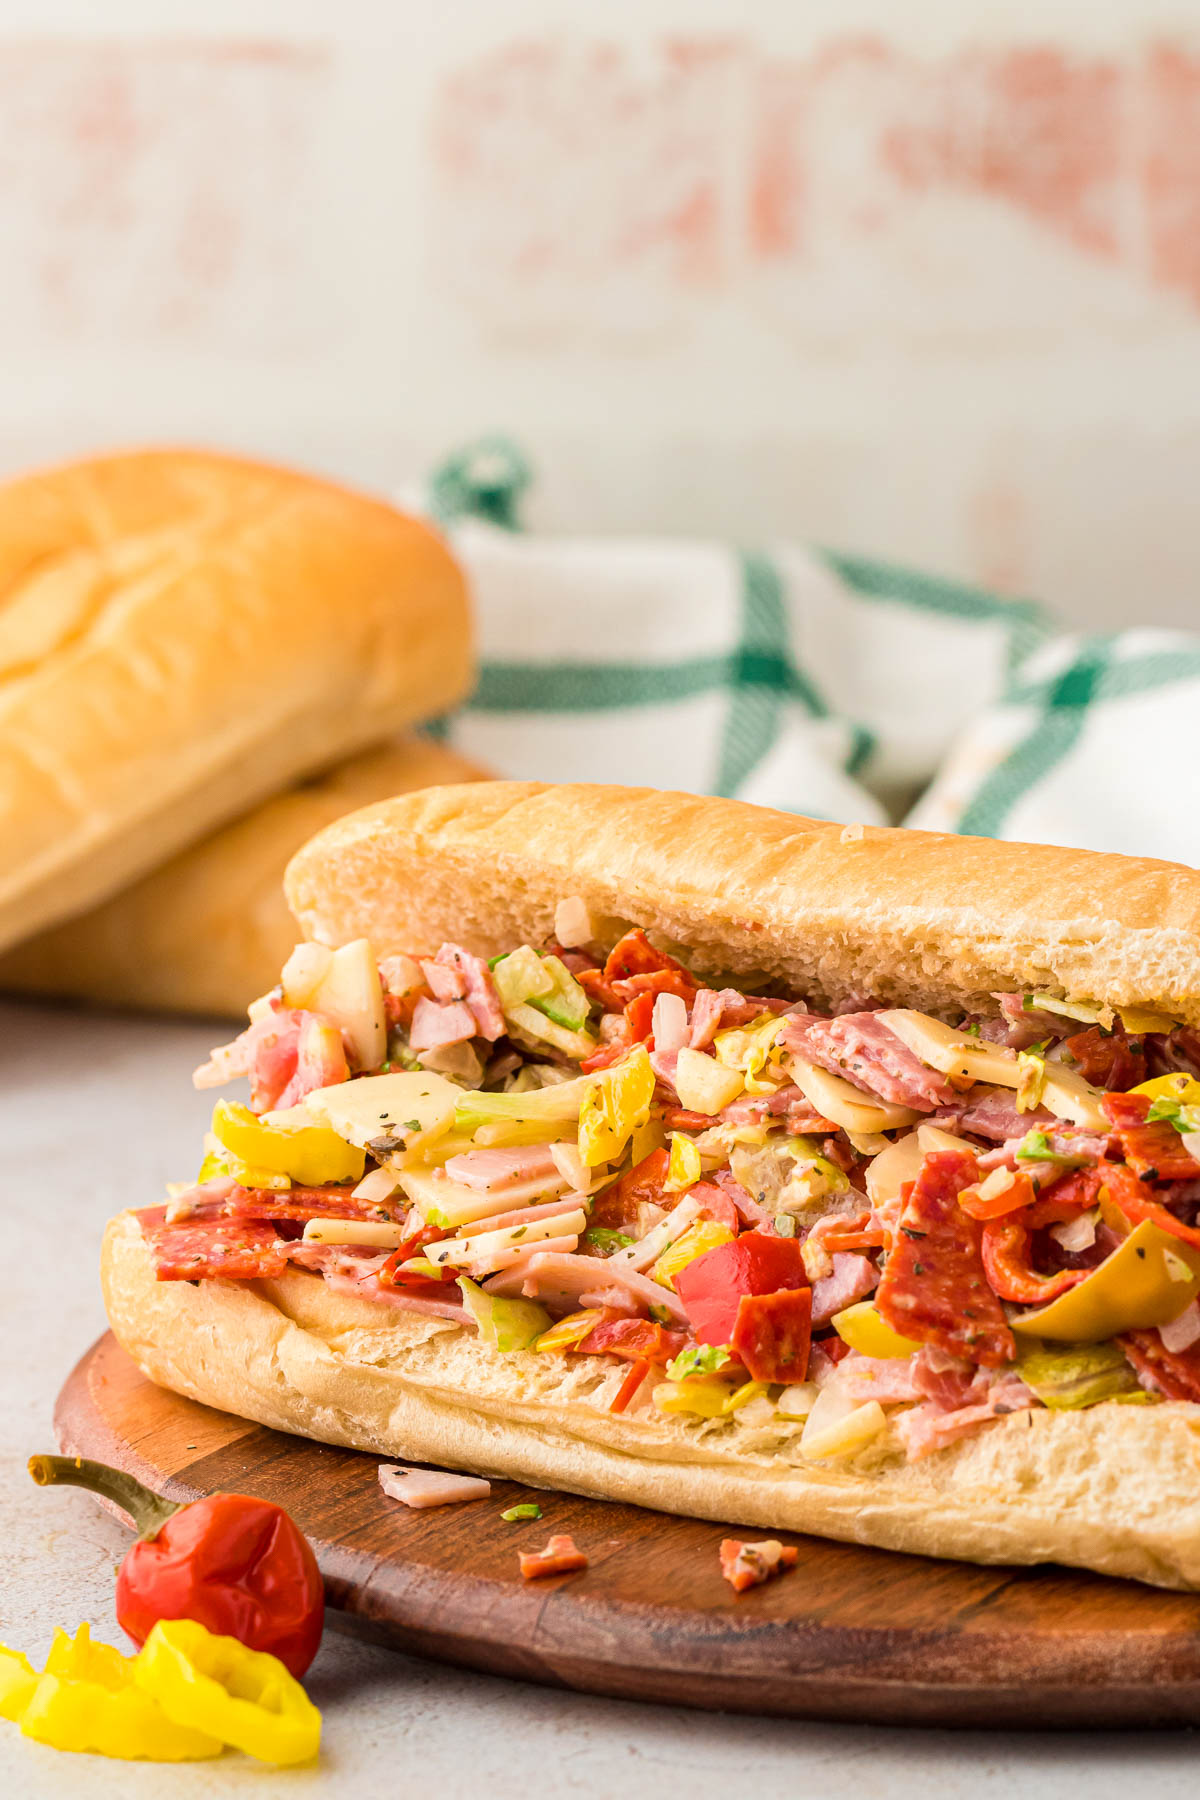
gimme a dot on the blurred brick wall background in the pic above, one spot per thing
(921, 281)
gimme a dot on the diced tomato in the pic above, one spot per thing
(1153, 1151)
(934, 1287)
(630, 1385)
(634, 954)
(771, 1334)
(1109, 1059)
(1176, 1373)
(617, 1206)
(1021, 1192)
(711, 1287)
(633, 1339)
(639, 1018)
(749, 1565)
(1006, 1260)
(560, 1557)
(1135, 1201)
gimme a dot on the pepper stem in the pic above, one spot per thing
(148, 1510)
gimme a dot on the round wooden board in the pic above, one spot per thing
(850, 1634)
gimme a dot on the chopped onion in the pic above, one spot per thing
(1077, 1234)
(376, 1184)
(573, 926)
(1182, 1332)
(669, 1022)
(837, 1425)
(797, 1401)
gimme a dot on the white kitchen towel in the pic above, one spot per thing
(820, 683)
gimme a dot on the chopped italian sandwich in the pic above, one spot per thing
(674, 1151)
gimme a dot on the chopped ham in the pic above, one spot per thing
(569, 1278)
(862, 1050)
(1025, 1028)
(444, 983)
(930, 1427)
(560, 1557)
(482, 997)
(749, 1565)
(991, 1112)
(665, 1063)
(436, 1023)
(747, 1208)
(430, 1487)
(853, 1278)
(493, 1171)
(886, 1379)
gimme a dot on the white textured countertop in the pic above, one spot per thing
(97, 1113)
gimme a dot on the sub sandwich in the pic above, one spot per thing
(833, 1179)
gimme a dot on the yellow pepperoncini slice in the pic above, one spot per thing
(1184, 1088)
(614, 1105)
(309, 1153)
(705, 1398)
(705, 1234)
(564, 1334)
(215, 1684)
(866, 1331)
(1147, 1280)
(17, 1682)
(87, 1701)
(684, 1167)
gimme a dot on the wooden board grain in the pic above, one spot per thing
(850, 1634)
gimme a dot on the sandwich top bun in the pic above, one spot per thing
(910, 917)
(182, 634)
(211, 929)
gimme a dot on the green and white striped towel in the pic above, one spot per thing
(819, 683)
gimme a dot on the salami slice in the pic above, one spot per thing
(933, 1286)
(222, 1249)
(1175, 1373)
(1153, 1151)
(311, 1203)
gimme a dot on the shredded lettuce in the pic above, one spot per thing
(700, 1359)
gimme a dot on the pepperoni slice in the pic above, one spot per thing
(1153, 1151)
(772, 1334)
(224, 1249)
(1176, 1373)
(933, 1287)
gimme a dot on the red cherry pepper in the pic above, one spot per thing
(236, 1565)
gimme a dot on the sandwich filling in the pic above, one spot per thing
(877, 1222)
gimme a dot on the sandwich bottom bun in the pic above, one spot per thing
(210, 930)
(1112, 1488)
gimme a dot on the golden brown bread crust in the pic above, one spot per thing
(182, 634)
(911, 917)
(211, 929)
(1113, 1488)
